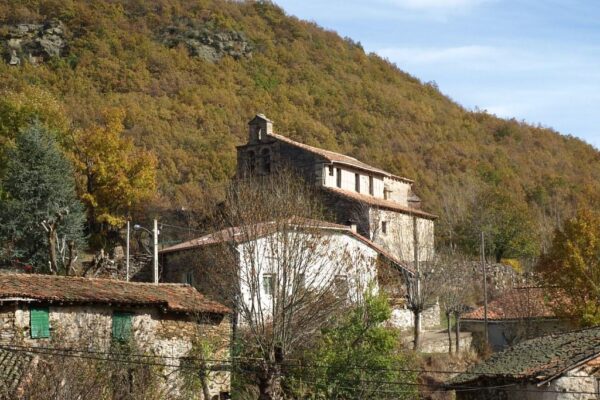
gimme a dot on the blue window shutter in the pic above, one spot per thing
(39, 321)
(121, 326)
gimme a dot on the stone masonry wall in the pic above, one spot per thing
(160, 334)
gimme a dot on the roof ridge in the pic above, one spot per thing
(93, 279)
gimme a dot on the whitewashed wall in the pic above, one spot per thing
(398, 239)
(348, 180)
(320, 256)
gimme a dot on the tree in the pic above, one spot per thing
(286, 286)
(115, 175)
(506, 222)
(358, 357)
(41, 219)
(572, 265)
(454, 290)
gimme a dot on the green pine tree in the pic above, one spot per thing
(41, 218)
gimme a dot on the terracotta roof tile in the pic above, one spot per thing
(517, 303)
(170, 296)
(377, 202)
(337, 157)
(241, 235)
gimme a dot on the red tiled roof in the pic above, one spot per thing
(518, 303)
(239, 234)
(69, 289)
(255, 231)
(377, 202)
(338, 158)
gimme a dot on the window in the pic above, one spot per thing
(251, 162)
(301, 281)
(189, 277)
(331, 170)
(121, 326)
(268, 283)
(39, 319)
(339, 177)
(340, 285)
(371, 189)
(266, 160)
(384, 227)
(357, 182)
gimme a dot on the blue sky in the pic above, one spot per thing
(535, 60)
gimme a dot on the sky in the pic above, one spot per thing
(533, 60)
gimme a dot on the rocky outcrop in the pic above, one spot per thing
(206, 42)
(34, 43)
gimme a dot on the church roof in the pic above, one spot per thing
(338, 158)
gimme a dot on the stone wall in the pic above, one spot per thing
(167, 335)
(402, 318)
(34, 43)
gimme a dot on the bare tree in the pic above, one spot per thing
(455, 290)
(283, 271)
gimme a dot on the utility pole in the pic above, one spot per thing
(485, 294)
(417, 302)
(127, 254)
(155, 258)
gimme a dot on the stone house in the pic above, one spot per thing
(323, 253)
(515, 315)
(563, 366)
(165, 321)
(382, 205)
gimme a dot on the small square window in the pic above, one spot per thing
(39, 319)
(268, 283)
(384, 227)
(189, 278)
(121, 326)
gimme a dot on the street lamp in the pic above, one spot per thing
(154, 232)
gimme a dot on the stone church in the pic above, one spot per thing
(382, 206)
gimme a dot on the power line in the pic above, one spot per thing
(225, 363)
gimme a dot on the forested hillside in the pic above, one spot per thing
(184, 77)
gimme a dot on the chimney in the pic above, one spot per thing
(258, 128)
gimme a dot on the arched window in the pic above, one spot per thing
(266, 160)
(251, 162)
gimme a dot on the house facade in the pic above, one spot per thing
(79, 316)
(382, 205)
(563, 366)
(320, 255)
(517, 314)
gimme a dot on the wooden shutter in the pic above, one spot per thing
(121, 326)
(39, 319)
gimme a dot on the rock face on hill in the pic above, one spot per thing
(34, 43)
(204, 42)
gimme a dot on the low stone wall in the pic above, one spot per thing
(403, 318)
(172, 336)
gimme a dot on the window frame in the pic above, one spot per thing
(331, 170)
(357, 182)
(268, 289)
(126, 333)
(371, 184)
(38, 332)
(338, 181)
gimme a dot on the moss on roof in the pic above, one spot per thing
(538, 359)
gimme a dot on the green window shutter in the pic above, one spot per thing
(39, 318)
(121, 326)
